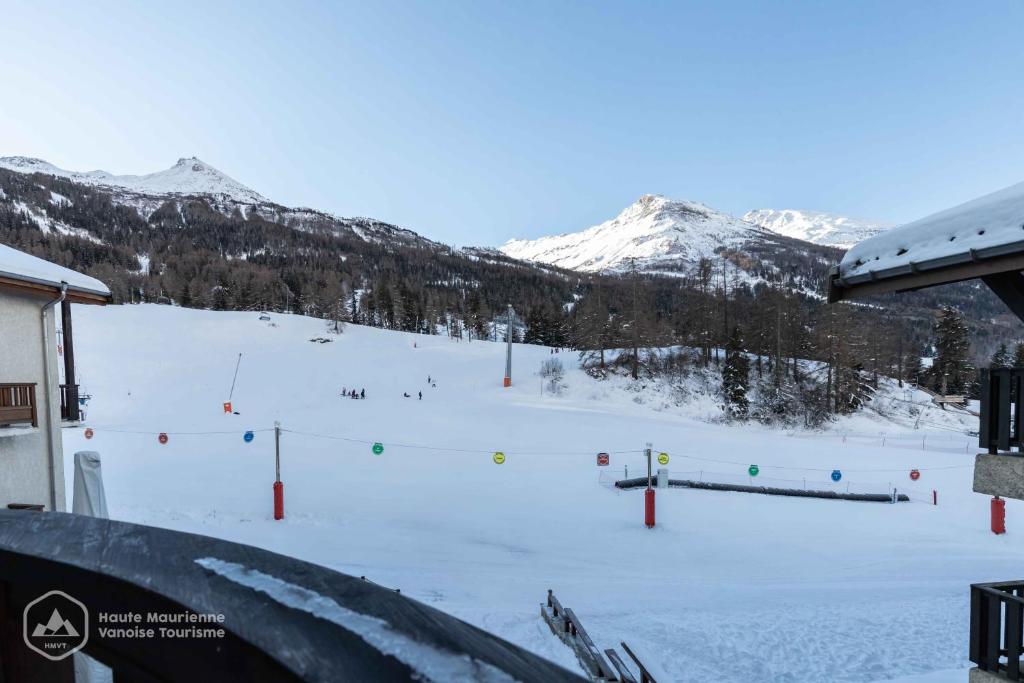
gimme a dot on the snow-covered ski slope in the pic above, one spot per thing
(729, 586)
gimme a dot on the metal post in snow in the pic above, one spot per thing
(233, 379)
(649, 494)
(508, 348)
(277, 451)
(647, 451)
(278, 486)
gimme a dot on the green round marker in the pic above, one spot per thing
(378, 448)
(753, 470)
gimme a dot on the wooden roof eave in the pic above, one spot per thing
(75, 296)
(967, 266)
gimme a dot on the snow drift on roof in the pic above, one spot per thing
(994, 220)
(21, 266)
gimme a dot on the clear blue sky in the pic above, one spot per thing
(474, 122)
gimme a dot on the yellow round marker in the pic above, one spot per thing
(499, 458)
(663, 458)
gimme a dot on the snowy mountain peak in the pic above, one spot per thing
(27, 165)
(655, 232)
(189, 176)
(814, 226)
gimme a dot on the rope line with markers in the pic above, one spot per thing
(349, 439)
(820, 469)
(248, 437)
(752, 470)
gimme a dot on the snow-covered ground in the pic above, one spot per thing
(729, 586)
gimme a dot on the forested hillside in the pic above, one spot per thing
(761, 299)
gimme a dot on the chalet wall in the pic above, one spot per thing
(24, 470)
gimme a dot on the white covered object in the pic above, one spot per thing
(662, 477)
(21, 266)
(89, 497)
(994, 220)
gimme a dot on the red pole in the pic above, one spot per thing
(649, 508)
(278, 500)
(278, 486)
(649, 494)
(998, 515)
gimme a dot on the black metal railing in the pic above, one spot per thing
(282, 619)
(997, 618)
(69, 410)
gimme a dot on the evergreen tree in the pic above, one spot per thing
(735, 375)
(1001, 358)
(1018, 355)
(593, 330)
(951, 372)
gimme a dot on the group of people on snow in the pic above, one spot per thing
(430, 381)
(362, 392)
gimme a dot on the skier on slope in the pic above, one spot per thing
(362, 393)
(421, 395)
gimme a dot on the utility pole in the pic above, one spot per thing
(508, 349)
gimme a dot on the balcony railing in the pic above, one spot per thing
(997, 623)
(1002, 409)
(69, 409)
(18, 405)
(282, 619)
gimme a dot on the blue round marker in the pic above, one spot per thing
(836, 475)
(248, 436)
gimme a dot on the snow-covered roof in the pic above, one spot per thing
(17, 265)
(983, 228)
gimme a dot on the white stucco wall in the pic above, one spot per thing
(25, 468)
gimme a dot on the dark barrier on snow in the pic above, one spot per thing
(997, 628)
(281, 619)
(641, 482)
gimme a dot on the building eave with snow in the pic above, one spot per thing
(983, 238)
(34, 402)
